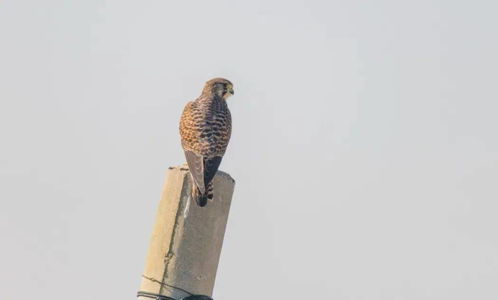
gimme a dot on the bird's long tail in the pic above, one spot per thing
(200, 198)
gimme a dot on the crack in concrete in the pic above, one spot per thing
(178, 218)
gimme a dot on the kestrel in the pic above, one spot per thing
(205, 128)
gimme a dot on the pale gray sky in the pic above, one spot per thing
(364, 146)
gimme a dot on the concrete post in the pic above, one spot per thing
(186, 243)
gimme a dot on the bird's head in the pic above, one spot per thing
(220, 87)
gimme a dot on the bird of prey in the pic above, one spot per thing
(205, 128)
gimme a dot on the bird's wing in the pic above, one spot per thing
(196, 165)
(210, 168)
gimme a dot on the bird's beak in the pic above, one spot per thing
(230, 90)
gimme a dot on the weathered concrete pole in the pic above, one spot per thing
(186, 243)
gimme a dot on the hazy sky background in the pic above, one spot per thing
(364, 147)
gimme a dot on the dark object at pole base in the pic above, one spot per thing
(198, 297)
(161, 297)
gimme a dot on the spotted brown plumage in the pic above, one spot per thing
(205, 128)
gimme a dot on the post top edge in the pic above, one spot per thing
(185, 168)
